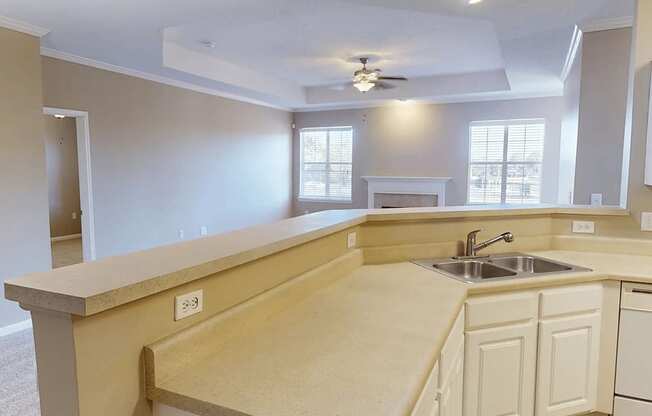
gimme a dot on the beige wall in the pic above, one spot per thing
(426, 140)
(640, 196)
(569, 131)
(605, 67)
(63, 175)
(24, 234)
(165, 159)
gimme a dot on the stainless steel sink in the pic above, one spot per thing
(497, 267)
(530, 264)
(473, 270)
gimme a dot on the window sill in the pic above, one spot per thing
(324, 200)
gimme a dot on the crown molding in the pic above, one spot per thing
(24, 27)
(607, 24)
(65, 56)
(472, 98)
(571, 56)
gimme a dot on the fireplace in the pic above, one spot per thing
(405, 192)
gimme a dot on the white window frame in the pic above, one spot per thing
(505, 163)
(326, 199)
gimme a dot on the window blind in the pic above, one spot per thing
(326, 163)
(505, 162)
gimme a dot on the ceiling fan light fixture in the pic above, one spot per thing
(364, 85)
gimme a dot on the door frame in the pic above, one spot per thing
(85, 177)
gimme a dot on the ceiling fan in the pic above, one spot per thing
(366, 79)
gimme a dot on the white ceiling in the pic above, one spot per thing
(289, 53)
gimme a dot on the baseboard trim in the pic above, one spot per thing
(65, 237)
(13, 328)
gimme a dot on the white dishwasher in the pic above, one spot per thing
(634, 367)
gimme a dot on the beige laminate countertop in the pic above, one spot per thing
(362, 345)
(89, 288)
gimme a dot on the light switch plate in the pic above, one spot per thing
(352, 240)
(203, 230)
(584, 227)
(188, 304)
(596, 200)
(646, 221)
(181, 234)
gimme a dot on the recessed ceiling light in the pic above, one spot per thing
(475, 1)
(208, 44)
(59, 116)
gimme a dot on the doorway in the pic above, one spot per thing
(67, 142)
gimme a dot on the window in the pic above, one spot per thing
(505, 162)
(326, 163)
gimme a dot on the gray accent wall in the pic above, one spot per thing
(166, 159)
(24, 231)
(413, 139)
(602, 108)
(63, 175)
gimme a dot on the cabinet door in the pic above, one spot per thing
(567, 377)
(428, 402)
(499, 371)
(452, 390)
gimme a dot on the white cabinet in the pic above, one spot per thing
(567, 365)
(569, 348)
(500, 370)
(533, 347)
(428, 403)
(451, 391)
(442, 394)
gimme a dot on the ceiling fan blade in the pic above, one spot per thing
(384, 86)
(393, 78)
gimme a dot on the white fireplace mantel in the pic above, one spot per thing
(406, 185)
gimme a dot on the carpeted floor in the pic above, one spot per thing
(18, 390)
(67, 252)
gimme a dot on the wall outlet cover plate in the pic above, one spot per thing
(352, 240)
(188, 304)
(584, 227)
(646, 221)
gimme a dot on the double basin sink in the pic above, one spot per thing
(497, 267)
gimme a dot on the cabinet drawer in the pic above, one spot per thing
(494, 310)
(450, 349)
(636, 297)
(428, 402)
(569, 300)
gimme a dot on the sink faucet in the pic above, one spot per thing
(472, 247)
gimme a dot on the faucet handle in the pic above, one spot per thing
(473, 233)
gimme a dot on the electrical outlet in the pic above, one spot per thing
(646, 221)
(188, 304)
(74, 215)
(182, 235)
(351, 240)
(584, 227)
(203, 230)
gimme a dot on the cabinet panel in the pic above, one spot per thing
(428, 403)
(504, 309)
(571, 299)
(567, 365)
(499, 375)
(453, 387)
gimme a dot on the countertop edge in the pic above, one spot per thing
(224, 251)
